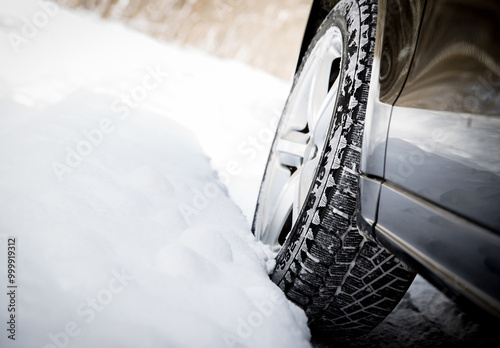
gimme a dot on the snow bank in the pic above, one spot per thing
(126, 236)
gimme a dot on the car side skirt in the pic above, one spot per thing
(445, 248)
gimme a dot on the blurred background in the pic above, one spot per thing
(264, 34)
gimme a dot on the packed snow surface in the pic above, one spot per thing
(125, 233)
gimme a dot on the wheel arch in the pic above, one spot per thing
(399, 16)
(421, 92)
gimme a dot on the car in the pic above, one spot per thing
(386, 162)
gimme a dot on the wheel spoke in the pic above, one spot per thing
(325, 116)
(292, 148)
(318, 90)
(281, 209)
(306, 176)
(321, 85)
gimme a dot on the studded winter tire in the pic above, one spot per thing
(307, 202)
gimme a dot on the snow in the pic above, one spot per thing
(119, 157)
(129, 175)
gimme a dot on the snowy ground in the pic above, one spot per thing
(125, 235)
(129, 175)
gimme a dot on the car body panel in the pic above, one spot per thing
(444, 148)
(367, 206)
(401, 21)
(449, 159)
(429, 173)
(398, 25)
(378, 114)
(441, 245)
(456, 66)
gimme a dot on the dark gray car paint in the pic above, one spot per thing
(456, 66)
(449, 159)
(461, 254)
(443, 149)
(429, 184)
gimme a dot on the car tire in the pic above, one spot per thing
(345, 283)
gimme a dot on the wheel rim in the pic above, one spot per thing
(300, 140)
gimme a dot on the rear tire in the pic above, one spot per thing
(345, 284)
